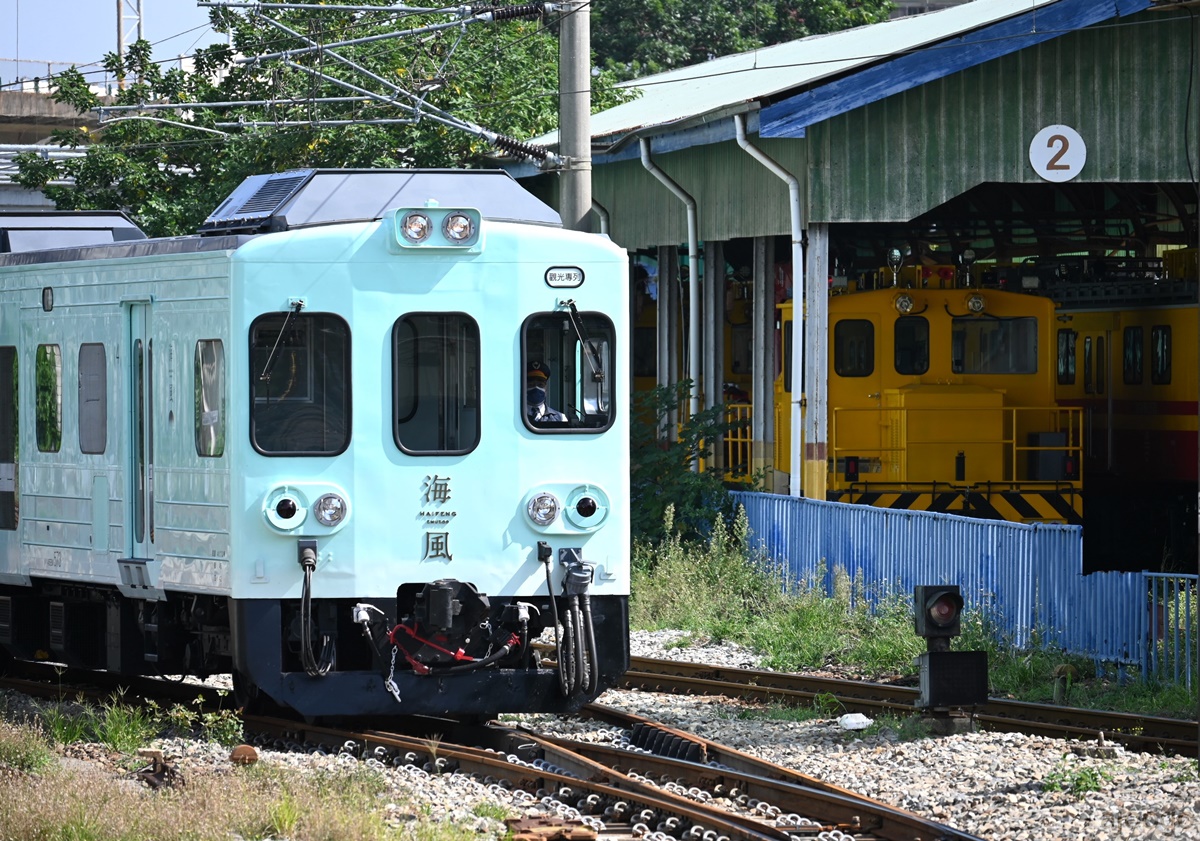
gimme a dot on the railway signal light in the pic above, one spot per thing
(946, 678)
(937, 611)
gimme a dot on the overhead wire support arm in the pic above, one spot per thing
(468, 15)
(419, 106)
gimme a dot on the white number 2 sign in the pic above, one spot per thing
(1057, 153)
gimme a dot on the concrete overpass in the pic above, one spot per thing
(28, 119)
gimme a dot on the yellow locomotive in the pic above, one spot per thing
(942, 398)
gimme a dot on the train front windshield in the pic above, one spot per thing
(300, 374)
(575, 350)
(981, 345)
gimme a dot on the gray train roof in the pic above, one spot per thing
(39, 231)
(303, 197)
(269, 203)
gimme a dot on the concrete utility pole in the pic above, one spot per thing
(574, 115)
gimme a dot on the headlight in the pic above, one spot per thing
(458, 227)
(975, 304)
(543, 509)
(904, 303)
(416, 227)
(330, 510)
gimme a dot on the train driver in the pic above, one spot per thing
(535, 395)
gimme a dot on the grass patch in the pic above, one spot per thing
(717, 589)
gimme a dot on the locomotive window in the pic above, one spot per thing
(1160, 354)
(912, 344)
(93, 398)
(1101, 366)
(1089, 384)
(300, 376)
(209, 391)
(8, 438)
(1132, 355)
(994, 345)
(435, 386)
(48, 398)
(577, 350)
(854, 348)
(1066, 357)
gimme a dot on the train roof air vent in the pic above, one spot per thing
(255, 204)
(49, 230)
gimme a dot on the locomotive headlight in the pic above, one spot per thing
(543, 509)
(458, 227)
(416, 227)
(330, 509)
(975, 303)
(904, 303)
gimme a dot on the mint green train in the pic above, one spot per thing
(359, 442)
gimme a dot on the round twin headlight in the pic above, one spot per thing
(458, 227)
(330, 509)
(416, 227)
(543, 509)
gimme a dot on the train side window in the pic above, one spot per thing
(1132, 355)
(300, 376)
(1089, 384)
(912, 344)
(435, 383)
(1160, 354)
(209, 390)
(578, 349)
(1101, 365)
(93, 398)
(9, 448)
(854, 348)
(1066, 357)
(48, 398)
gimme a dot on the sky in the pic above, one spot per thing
(79, 32)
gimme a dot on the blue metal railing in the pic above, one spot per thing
(1027, 579)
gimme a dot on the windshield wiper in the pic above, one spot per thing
(593, 357)
(265, 376)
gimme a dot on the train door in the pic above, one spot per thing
(858, 441)
(139, 516)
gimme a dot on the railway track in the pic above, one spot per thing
(651, 782)
(1133, 731)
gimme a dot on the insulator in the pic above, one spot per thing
(499, 13)
(516, 147)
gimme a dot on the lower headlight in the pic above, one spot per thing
(330, 509)
(543, 509)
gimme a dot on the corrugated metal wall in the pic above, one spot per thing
(1123, 86)
(736, 196)
(1026, 577)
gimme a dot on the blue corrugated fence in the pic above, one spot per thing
(1027, 578)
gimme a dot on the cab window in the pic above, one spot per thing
(300, 376)
(912, 345)
(854, 348)
(576, 351)
(435, 383)
(994, 345)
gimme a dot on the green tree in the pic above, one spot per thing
(663, 470)
(170, 169)
(635, 38)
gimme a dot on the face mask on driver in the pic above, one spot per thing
(535, 396)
